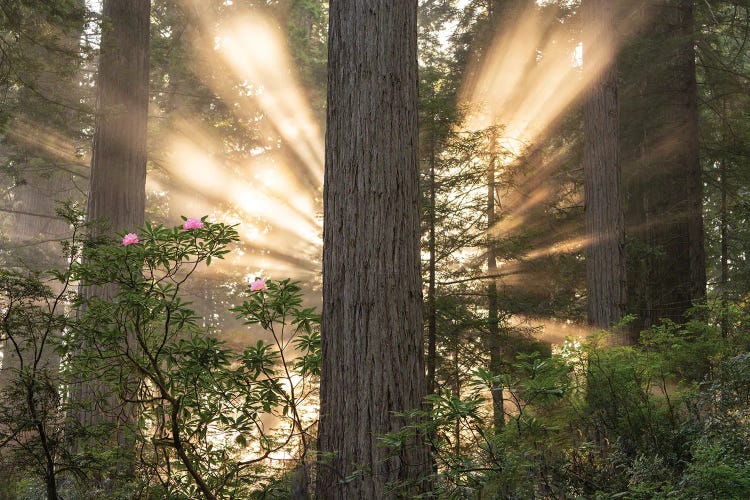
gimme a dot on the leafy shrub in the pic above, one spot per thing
(157, 406)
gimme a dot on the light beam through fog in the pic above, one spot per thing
(532, 74)
(35, 135)
(272, 190)
(529, 77)
(254, 49)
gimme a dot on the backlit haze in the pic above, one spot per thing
(266, 175)
(530, 76)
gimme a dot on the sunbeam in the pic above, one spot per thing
(273, 190)
(256, 53)
(534, 71)
(189, 163)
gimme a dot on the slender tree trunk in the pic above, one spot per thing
(372, 337)
(118, 164)
(494, 344)
(431, 293)
(724, 229)
(431, 309)
(605, 226)
(457, 394)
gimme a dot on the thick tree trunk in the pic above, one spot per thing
(662, 174)
(373, 364)
(118, 164)
(605, 226)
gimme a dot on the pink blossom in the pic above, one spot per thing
(130, 239)
(258, 284)
(192, 223)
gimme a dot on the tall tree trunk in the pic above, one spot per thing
(494, 345)
(431, 307)
(724, 226)
(373, 360)
(457, 393)
(605, 226)
(118, 164)
(687, 112)
(662, 174)
(724, 234)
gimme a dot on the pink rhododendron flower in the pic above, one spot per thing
(192, 223)
(258, 284)
(130, 239)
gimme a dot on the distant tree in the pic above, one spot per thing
(372, 313)
(723, 70)
(661, 168)
(42, 119)
(42, 123)
(501, 15)
(494, 342)
(438, 116)
(306, 31)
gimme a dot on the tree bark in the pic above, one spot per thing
(373, 364)
(117, 189)
(605, 226)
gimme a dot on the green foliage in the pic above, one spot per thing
(470, 456)
(692, 347)
(32, 330)
(306, 29)
(44, 119)
(152, 392)
(666, 419)
(721, 452)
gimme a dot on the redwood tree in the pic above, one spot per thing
(117, 190)
(372, 311)
(118, 165)
(661, 167)
(605, 226)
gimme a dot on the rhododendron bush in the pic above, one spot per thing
(198, 417)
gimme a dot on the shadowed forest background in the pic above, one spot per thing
(573, 177)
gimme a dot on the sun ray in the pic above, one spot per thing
(190, 163)
(254, 51)
(35, 135)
